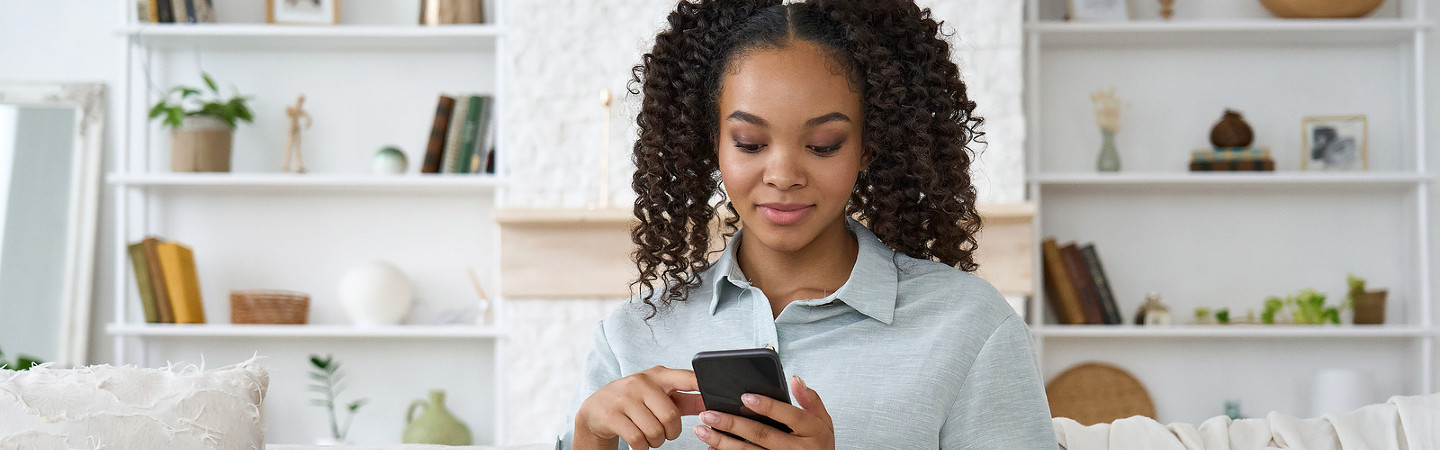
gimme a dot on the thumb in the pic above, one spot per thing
(807, 398)
(688, 404)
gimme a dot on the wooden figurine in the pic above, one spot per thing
(292, 142)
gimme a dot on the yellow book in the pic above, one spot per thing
(178, 264)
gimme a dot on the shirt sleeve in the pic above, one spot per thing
(1001, 403)
(601, 367)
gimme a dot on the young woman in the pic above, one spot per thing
(810, 116)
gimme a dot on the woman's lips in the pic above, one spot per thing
(785, 213)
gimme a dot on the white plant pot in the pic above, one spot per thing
(375, 293)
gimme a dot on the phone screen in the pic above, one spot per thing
(723, 376)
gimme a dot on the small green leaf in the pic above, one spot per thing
(210, 82)
(356, 404)
(157, 110)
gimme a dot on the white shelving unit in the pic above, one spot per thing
(1231, 239)
(259, 228)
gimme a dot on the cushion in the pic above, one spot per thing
(180, 406)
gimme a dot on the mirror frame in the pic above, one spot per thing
(88, 100)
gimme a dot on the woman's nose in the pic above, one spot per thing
(783, 170)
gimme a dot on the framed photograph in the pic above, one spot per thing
(1099, 10)
(302, 12)
(1335, 143)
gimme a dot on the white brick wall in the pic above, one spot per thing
(563, 52)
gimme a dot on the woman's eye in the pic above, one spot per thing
(825, 150)
(749, 148)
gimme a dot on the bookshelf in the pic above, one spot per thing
(370, 82)
(1231, 239)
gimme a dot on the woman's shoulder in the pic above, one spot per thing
(942, 292)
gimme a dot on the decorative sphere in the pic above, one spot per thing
(375, 293)
(389, 161)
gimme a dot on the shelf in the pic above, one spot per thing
(1256, 32)
(1230, 178)
(1230, 331)
(306, 331)
(299, 182)
(319, 37)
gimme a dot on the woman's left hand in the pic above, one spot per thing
(811, 425)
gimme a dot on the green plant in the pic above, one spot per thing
(189, 102)
(22, 362)
(1272, 306)
(1223, 316)
(327, 379)
(1357, 290)
(1307, 307)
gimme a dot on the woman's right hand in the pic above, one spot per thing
(643, 409)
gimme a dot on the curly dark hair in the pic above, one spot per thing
(915, 195)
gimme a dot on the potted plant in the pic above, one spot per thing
(326, 379)
(1369, 305)
(203, 125)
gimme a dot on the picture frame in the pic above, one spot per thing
(1335, 143)
(302, 12)
(1098, 10)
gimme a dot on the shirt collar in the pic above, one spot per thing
(871, 289)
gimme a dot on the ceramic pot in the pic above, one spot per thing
(436, 425)
(1321, 9)
(1109, 160)
(375, 293)
(201, 144)
(1370, 308)
(389, 161)
(1231, 131)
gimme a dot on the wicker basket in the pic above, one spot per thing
(1094, 393)
(269, 307)
(1321, 9)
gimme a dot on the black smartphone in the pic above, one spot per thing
(724, 375)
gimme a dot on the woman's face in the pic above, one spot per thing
(789, 144)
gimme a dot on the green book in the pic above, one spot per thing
(467, 136)
(142, 279)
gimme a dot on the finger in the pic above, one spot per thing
(649, 426)
(688, 404)
(761, 434)
(665, 411)
(719, 441)
(801, 422)
(672, 380)
(808, 398)
(630, 433)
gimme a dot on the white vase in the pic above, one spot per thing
(375, 293)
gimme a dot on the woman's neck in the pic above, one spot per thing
(813, 271)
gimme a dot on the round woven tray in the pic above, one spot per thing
(269, 307)
(1092, 393)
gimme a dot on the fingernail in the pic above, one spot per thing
(702, 431)
(749, 399)
(797, 379)
(709, 417)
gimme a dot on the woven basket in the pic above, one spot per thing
(1321, 9)
(1094, 393)
(269, 307)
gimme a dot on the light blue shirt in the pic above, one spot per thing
(907, 354)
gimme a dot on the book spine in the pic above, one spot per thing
(164, 12)
(1080, 276)
(178, 7)
(482, 131)
(190, 12)
(179, 266)
(468, 136)
(449, 162)
(435, 148)
(142, 282)
(1233, 166)
(1102, 285)
(158, 284)
(1058, 289)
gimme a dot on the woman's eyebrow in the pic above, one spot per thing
(751, 118)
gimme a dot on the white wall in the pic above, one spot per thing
(72, 40)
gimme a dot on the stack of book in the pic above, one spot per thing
(1232, 159)
(165, 275)
(1076, 285)
(175, 11)
(462, 138)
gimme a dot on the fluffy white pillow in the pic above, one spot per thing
(130, 407)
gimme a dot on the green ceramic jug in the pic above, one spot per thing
(435, 425)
